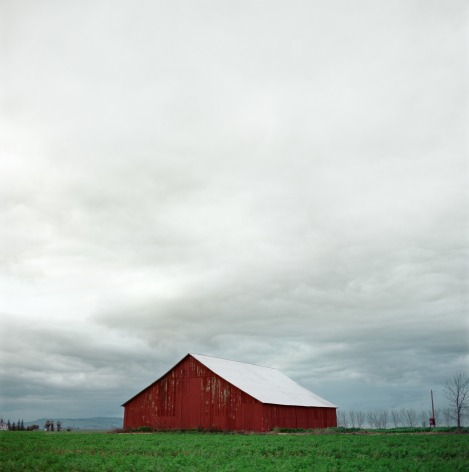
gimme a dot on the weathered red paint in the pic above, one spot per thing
(191, 396)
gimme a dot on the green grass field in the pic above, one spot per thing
(39, 451)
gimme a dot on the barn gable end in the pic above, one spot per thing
(204, 392)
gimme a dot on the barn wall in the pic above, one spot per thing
(284, 416)
(191, 396)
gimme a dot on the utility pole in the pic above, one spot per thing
(432, 419)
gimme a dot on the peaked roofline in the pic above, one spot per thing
(197, 357)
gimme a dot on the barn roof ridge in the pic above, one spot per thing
(232, 360)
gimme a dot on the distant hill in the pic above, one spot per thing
(99, 422)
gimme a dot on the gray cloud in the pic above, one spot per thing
(278, 184)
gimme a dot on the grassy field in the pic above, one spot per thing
(39, 451)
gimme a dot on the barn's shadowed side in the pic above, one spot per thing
(211, 393)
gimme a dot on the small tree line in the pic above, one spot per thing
(49, 425)
(18, 426)
(383, 419)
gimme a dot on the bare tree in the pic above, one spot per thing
(411, 418)
(373, 419)
(457, 393)
(352, 417)
(383, 418)
(396, 417)
(403, 417)
(360, 419)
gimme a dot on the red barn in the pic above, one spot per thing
(212, 393)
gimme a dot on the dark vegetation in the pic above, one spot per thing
(338, 430)
(193, 451)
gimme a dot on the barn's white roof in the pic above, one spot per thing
(263, 383)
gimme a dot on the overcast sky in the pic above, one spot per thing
(276, 182)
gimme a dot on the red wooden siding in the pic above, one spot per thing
(306, 417)
(192, 396)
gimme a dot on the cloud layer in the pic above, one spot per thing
(282, 184)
